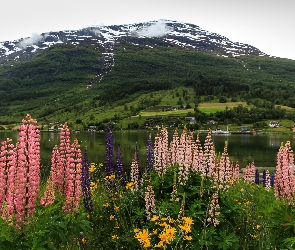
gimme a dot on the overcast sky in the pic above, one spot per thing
(265, 24)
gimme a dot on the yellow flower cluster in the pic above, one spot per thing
(93, 187)
(92, 167)
(186, 224)
(110, 177)
(167, 231)
(166, 236)
(130, 185)
(143, 237)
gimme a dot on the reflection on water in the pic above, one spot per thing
(260, 148)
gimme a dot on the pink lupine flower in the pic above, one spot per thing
(161, 152)
(63, 162)
(184, 157)
(173, 150)
(249, 174)
(150, 206)
(223, 170)
(209, 155)
(5, 164)
(27, 169)
(134, 172)
(55, 155)
(267, 181)
(214, 210)
(174, 190)
(197, 162)
(73, 189)
(284, 187)
(236, 171)
(49, 194)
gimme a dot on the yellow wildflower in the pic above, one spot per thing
(188, 221)
(143, 237)
(257, 227)
(83, 241)
(155, 217)
(135, 230)
(164, 224)
(114, 237)
(92, 168)
(116, 225)
(188, 237)
(160, 244)
(185, 228)
(254, 236)
(112, 217)
(116, 208)
(106, 204)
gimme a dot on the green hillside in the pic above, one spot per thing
(52, 87)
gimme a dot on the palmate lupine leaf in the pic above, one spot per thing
(225, 241)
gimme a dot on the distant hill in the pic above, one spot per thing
(79, 75)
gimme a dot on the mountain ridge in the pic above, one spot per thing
(95, 74)
(167, 32)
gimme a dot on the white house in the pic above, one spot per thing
(274, 124)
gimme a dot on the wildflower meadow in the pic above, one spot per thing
(187, 196)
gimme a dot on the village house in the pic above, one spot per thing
(274, 124)
(191, 119)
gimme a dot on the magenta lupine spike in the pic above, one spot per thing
(161, 152)
(5, 164)
(150, 206)
(249, 174)
(184, 156)
(63, 158)
(55, 158)
(73, 190)
(173, 150)
(284, 187)
(27, 179)
(7, 176)
(209, 155)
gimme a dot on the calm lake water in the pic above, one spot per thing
(260, 148)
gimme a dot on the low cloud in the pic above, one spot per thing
(157, 29)
(34, 39)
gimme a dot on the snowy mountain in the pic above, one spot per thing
(155, 33)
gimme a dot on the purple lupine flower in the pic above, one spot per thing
(121, 174)
(257, 181)
(85, 183)
(149, 155)
(109, 164)
(272, 179)
(137, 160)
(264, 178)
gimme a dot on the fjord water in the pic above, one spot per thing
(244, 148)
